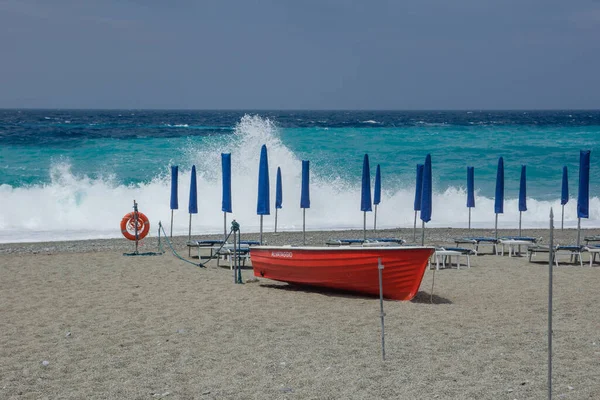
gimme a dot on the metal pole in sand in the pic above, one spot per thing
(159, 227)
(519, 247)
(365, 226)
(382, 314)
(135, 221)
(550, 263)
(469, 218)
(234, 257)
(304, 226)
(275, 220)
(520, 214)
(432, 284)
(375, 219)
(224, 226)
(415, 228)
(261, 229)
(496, 227)
(239, 233)
(578, 231)
(562, 219)
(190, 237)
(422, 233)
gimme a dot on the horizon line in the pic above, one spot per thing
(305, 109)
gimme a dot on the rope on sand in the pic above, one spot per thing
(202, 264)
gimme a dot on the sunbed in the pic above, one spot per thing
(242, 252)
(594, 238)
(344, 242)
(523, 238)
(388, 240)
(477, 241)
(250, 242)
(572, 250)
(593, 250)
(369, 241)
(206, 244)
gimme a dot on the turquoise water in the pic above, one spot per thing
(73, 174)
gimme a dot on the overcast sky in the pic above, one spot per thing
(300, 54)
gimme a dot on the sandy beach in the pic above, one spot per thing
(82, 321)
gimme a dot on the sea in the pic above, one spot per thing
(73, 174)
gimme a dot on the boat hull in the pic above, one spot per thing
(345, 268)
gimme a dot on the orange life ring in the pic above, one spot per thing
(128, 226)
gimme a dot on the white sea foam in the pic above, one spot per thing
(79, 207)
(177, 125)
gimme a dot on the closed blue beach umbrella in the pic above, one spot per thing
(226, 199)
(418, 195)
(305, 195)
(522, 194)
(499, 200)
(305, 192)
(263, 202)
(278, 190)
(174, 198)
(564, 195)
(365, 193)
(278, 195)
(377, 194)
(583, 197)
(193, 205)
(427, 196)
(470, 191)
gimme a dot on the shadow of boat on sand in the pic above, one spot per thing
(426, 298)
(420, 297)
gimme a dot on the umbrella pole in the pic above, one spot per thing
(519, 247)
(171, 223)
(239, 267)
(578, 231)
(550, 262)
(382, 314)
(233, 259)
(469, 218)
(190, 237)
(261, 227)
(423, 233)
(275, 220)
(415, 228)
(365, 226)
(375, 219)
(135, 218)
(562, 219)
(304, 226)
(520, 214)
(224, 225)
(496, 227)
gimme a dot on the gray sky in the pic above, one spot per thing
(300, 54)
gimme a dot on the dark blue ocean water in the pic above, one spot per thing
(73, 174)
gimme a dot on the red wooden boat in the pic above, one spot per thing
(351, 268)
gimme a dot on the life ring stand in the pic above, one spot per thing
(128, 225)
